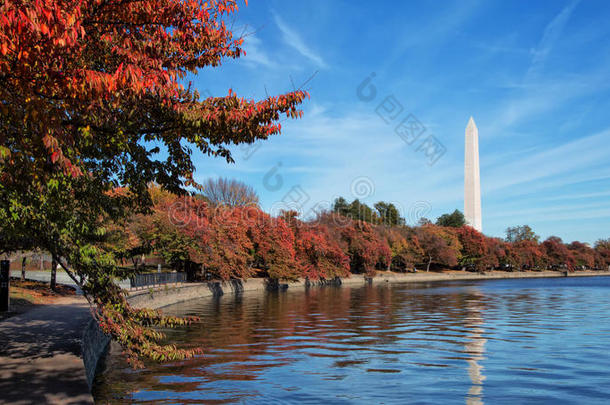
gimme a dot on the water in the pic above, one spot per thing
(501, 341)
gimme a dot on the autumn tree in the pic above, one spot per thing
(318, 254)
(556, 253)
(439, 245)
(528, 254)
(366, 249)
(583, 254)
(91, 91)
(493, 253)
(405, 248)
(274, 246)
(473, 245)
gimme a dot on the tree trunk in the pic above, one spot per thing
(53, 274)
(23, 269)
(429, 262)
(41, 262)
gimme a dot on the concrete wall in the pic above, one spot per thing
(171, 294)
(94, 344)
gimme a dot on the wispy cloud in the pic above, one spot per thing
(293, 39)
(550, 36)
(582, 196)
(537, 94)
(569, 157)
(431, 30)
(255, 55)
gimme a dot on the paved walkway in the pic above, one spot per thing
(61, 278)
(40, 355)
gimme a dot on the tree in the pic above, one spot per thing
(91, 92)
(232, 193)
(423, 221)
(355, 210)
(556, 253)
(583, 254)
(362, 212)
(341, 207)
(503, 252)
(520, 233)
(177, 229)
(366, 249)
(389, 214)
(455, 219)
(439, 245)
(405, 248)
(528, 254)
(493, 253)
(318, 254)
(602, 247)
(473, 245)
(274, 245)
(230, 251)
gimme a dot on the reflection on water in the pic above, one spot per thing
(475, 347)
(474, 342)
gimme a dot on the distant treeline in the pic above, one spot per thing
(211, 238)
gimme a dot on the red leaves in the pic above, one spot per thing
(318, 254)
(92, 58)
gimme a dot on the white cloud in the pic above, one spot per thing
(293, 39)
(570, 157)
(551, 35)
(255, 55)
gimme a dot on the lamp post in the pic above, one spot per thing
(5, 278)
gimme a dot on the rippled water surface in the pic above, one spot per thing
(505, 341)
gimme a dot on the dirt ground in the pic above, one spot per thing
(25, 295)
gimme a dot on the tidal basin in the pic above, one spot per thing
(475, 342)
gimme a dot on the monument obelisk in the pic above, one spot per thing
(472, 177)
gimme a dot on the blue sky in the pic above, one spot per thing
(534, 75)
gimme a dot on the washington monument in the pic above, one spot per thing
(472, 178)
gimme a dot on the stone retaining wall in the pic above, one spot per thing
(94, 344)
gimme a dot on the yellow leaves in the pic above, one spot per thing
(5, 153)
(44, 29)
